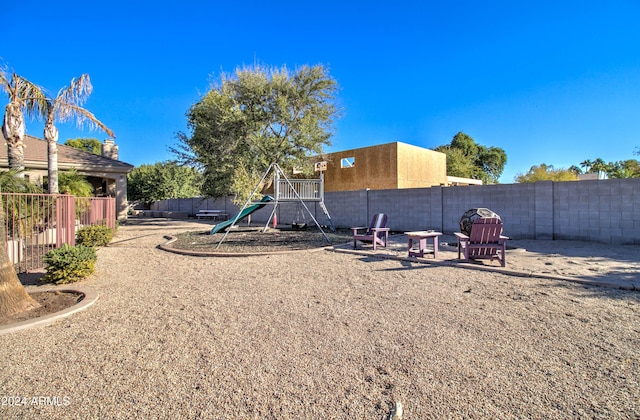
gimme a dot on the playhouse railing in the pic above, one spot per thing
(307, 189)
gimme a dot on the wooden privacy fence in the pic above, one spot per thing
(38, 223)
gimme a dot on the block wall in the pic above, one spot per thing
(606, 211)
(515, 203)
(602, 211)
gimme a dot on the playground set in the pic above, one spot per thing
(298, 191)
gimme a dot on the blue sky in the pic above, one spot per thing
(549, 82)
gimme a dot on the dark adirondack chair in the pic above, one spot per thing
(377, 233)
(484, 242)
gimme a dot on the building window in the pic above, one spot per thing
(349, 162)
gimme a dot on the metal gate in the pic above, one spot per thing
(38, 223)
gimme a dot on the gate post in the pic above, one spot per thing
(65, 220)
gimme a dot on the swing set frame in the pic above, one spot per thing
(289, 191)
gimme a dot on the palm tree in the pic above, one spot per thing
(10, 182)
(586, 164)
(575, 169)
(24, 97)
(598, 166)
(65, 107)
(75, 184)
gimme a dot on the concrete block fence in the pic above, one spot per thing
(606, 211)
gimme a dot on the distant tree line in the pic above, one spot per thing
(90, 145)
(162, 180)
(629, 168)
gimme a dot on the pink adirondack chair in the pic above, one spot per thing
(377, 233)
(484, 242)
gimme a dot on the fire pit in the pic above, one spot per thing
(470, 216)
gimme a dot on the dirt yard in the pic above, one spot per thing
(326, 335)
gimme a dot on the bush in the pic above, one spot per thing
(69, 264)
(94, 236)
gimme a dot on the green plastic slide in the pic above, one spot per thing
(247, 211)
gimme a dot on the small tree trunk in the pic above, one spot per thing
(51, 136)
(13, 297)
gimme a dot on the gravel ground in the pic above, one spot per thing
(254, 240)
(322, 335)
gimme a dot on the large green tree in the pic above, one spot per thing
(254, 117)
(544, 172)
(162, 180)
(467, 159)
(67, 106)
(90, 145)
(24, 98)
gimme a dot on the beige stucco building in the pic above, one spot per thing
(105, 172)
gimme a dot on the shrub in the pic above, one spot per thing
(94, 236)
(69, 264)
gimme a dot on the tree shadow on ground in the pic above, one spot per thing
(31, 279)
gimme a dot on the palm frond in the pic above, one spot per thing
(83, 117)
(77, 92)
(67, 105)
(11, 183)
(71, 182)
(31, 97)
(4, 79)
(28, 96)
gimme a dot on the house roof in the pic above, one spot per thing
(35, 157)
